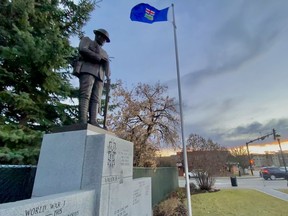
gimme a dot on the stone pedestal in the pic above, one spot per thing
(74, 203)
(84, 170)
(84, 160)
(142, 204)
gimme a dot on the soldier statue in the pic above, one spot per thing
(92, 71)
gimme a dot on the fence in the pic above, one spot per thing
(16, 182)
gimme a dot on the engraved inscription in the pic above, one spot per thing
(51, 209)
(113, 179)
(111, 153)
(123, 211)
(121, 177)
(56, 205)
(36, 210)
(74, 213)
(136, 196)
(58, 212)
(124, 158)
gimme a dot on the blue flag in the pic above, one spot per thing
(148, 14)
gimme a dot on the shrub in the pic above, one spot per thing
(205, 181)
(170, 207)
(174, 204)
(181, 210)
(193, 187)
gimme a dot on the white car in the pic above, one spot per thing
(191, 174)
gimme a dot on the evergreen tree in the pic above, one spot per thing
(34, 71)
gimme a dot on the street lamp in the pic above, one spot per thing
(277, 136)
(282, 155)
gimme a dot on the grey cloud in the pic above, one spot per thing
(257, 129)
(215, 109)
(246, 35)
(241, 134)
(252, 128)
(280, 125)
(240, 39)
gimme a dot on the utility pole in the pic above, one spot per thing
(282, 155)
(259, 138)
(249, 158)
(277, 136)
(274, 134)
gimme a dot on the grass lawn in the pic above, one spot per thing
(237, 202)
(284, 190)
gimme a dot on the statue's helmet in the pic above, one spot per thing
(104, 33)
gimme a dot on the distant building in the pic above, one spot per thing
(212, 161)
(268, 154)
(270, 159)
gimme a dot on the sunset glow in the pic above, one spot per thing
(268, 147)
(261, 148)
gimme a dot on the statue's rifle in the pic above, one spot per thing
(107, 97)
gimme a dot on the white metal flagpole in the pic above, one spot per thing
(181, 120)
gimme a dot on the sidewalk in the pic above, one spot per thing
(274, 193)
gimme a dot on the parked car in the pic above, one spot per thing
(196, 173)
(273, 173)
(260, 172)
(191, 174)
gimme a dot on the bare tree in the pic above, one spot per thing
(207, 159)
(146, 116)
(240, 156)
(197, 143)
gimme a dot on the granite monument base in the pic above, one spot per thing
(68, 204)
(73, 162)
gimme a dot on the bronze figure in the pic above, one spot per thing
(94, 66)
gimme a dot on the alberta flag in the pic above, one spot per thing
(148, 14)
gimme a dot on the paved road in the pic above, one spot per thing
(251, 182)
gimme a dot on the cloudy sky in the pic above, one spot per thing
(233, 61)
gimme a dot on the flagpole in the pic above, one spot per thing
(181, 119)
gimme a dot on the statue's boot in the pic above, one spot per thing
(83, 110)
(93, 110)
